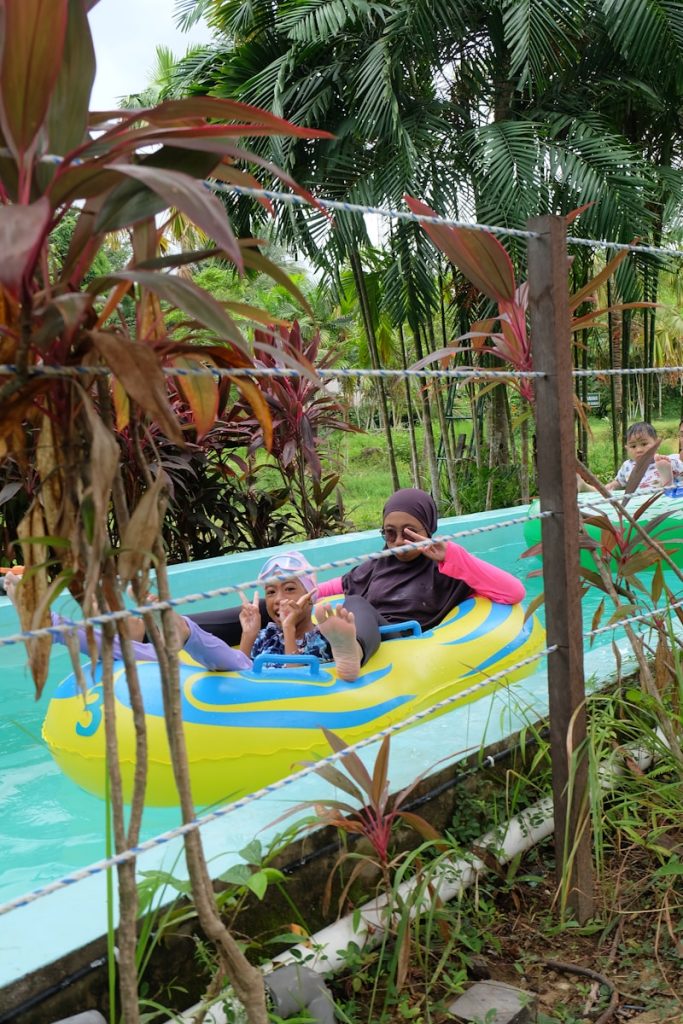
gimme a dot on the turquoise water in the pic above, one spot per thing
(49, 827)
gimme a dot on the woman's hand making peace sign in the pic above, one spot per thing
(436, 550)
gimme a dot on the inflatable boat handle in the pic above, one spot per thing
(263, 664)
(410, 627)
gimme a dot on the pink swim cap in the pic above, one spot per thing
(287, 563)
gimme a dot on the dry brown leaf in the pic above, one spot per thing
(49, 463)
(138, 369)
(93, 649)
(30, 593)
(73, 647)
(104, 461)
(664, 666)
(403, 960)
(138, 540)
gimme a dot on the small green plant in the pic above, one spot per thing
(165, 905)
(373, 821)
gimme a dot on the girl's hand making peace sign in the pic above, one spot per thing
(250, 621)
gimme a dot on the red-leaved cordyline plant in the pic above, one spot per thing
(484, 261)
(116, 171)
(373, 820)
(302, 412)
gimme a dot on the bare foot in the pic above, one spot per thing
(11, 581)
(338, 627)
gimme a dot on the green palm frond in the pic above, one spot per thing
(188, 12)
(414, 22)
(525, 168)
(647, 32)
(506, 167)
(590, 163)
(543, 36)
(312, 20)
(671, 191)
(242, 18)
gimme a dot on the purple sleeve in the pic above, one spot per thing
(213, 653)
(142, 652)
(485, 579)
(206, 649)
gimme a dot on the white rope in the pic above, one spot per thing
(377, 211)
(627, 372)
(390, 214)
(640, 617)
(278, 371)
(242, 588)
(458, 373)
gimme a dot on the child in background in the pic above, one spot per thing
(289, 603)
(664, 469)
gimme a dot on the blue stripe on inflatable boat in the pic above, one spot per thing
(521, 638)
(268, 718)
(276, 718)
(496, 617)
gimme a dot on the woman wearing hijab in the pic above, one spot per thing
(422, 584)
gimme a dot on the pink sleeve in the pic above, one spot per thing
(485, 579)
(330, 587)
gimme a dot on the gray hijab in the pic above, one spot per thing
(400, 591)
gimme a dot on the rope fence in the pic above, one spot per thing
(7, 369)
(192, 826)
(547, 344)
(279, 371)
(242, 588)
(393, 214)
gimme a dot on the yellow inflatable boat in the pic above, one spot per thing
(247, 729)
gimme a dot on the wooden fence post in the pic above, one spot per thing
(552, 353)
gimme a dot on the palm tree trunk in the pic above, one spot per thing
(449, 454)
(614, 331)
(625, 357)
(361, 291)
(524, 483)
(446, 441)
(428, 428)
(648, 350)
(414, 457)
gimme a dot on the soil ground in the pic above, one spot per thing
(635, 943)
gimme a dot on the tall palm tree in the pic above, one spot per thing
(496, 109)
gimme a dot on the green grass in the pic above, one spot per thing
(365, 474)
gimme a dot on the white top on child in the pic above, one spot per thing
(652, 476)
